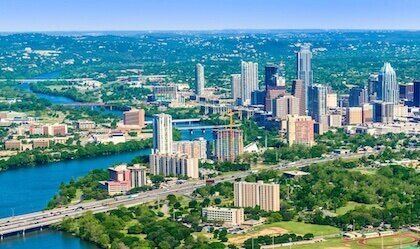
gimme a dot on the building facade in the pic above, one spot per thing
(199, 79)
(173, 165)
(196, 148)
(134, 117)
(229, 216)
(286, 105)
(235, 82)
(264, 195)
(300, 130)
(249, 80)
(228, 145)
(304, 68)
(298, 90)
(317, 101)
(388, 85)
(162, 133)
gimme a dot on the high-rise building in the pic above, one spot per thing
(332, 100)
(235, 81)
(137, 176)
(367, 114)
(388, 85)
(274, 76)
(304, 68)
(354, 115)
(358, 96)
(199, 79)
(300, 130)
(416, 98)
(298, 91)
(173, 165)
(249, 80)
(258, 97)
(229, 144)
(271, 95)
(286, 105)
(407, 91)
(134, 117)
(373, 87)
(264, 195)
(162, 133)
(196, 148)
(317, 101)
(383, 111)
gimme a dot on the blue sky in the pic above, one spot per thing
(80, 15)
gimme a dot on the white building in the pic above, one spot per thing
(388, 85)
(173, 165)
(230, 216)
(304, 68)
(162, 133)
(199, 79)
(235, 82)
(249, 80)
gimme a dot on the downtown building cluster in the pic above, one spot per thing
(382, 105)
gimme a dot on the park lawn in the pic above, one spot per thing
(365, 171)
(351, 205)
(303, 228)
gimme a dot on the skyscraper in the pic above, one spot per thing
(317, 101)
(249, 80)
(358, 96)
(199, 79)
(235, 81)
(298, 91)
(388, 85)
(373, 87)
(162, 133)
(274, 76)
(407, 91)
(304, 68)
(286, 105)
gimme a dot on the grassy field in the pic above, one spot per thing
(352, 205)
(303, 228)
(338, 243)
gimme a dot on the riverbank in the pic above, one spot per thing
(70, 152)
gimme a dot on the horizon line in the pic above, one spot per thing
(203, 30)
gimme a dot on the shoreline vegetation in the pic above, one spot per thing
(60, 152)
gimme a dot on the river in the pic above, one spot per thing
(29, 189)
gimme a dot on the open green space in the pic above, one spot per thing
(303, 228)
(351, 205)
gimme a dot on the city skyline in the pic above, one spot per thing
(205, 15)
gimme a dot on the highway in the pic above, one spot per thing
(42, 219)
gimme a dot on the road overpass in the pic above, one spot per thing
(42, 219)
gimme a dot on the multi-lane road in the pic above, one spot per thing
(38, 220)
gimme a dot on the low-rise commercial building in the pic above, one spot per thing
(229, 216)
